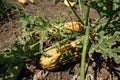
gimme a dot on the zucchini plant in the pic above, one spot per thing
(102, 35)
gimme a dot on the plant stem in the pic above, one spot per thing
(75, 13)
(81, 9)
(87, 16)
(82, 74)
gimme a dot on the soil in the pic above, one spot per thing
(96, 69)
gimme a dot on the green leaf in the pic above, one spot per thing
(109, 7)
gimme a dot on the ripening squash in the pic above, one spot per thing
(22, 1)
(58, 57)
(75, 26)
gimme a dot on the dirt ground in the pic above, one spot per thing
(96, 69)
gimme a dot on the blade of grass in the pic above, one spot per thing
(87, 16)
(81, 9)
(82, 72)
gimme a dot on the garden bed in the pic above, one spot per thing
(96, 68)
